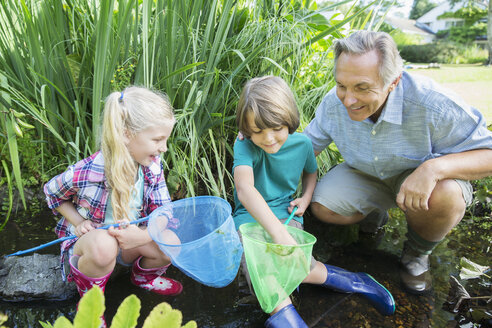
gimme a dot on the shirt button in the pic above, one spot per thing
(376, 158)
(373, 132)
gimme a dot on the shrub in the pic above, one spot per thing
(439, 52)
(443, 52)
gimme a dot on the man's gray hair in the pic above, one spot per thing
(361, 42)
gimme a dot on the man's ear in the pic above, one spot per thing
(397, 80)
(394, 84)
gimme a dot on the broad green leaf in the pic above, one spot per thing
(163, 315)
(471, 270)
(91, 308)
(127, 313)
(190, 324)
(62, 322)
(45, 325)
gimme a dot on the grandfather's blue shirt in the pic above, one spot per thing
(420, 121)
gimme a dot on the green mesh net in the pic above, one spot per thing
(275, 270)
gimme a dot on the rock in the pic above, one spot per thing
(34, 277)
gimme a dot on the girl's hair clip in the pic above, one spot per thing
(121, 97)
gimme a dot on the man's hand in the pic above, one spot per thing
(417, 188)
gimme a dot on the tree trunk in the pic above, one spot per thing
(489, 32)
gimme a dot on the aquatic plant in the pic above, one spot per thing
(91, 308)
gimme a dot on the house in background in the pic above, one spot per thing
(430, 22)
(409, 26)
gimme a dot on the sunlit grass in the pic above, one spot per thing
(448, 73)
(472, 82)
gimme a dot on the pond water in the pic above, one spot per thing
(319, 307)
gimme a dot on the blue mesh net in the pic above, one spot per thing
(205, 244)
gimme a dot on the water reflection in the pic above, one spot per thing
(211, 307)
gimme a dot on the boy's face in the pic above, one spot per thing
(271, 139)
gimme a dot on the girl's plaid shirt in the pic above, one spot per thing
(85, 185)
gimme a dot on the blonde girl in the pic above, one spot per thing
(121, 182)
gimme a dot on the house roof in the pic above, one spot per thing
(406, 25)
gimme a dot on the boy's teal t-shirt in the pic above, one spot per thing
(276, 175)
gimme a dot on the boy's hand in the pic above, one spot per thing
(283, 237)
(301, 203)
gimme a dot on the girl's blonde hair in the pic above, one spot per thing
(271, 102)
(126, 114)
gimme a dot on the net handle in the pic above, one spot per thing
(59, 240)
(291, 215)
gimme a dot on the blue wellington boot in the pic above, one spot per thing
(350, 282)
(287, 317)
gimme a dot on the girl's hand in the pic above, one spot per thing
(85, 227)
(301, 203)
(130, 237)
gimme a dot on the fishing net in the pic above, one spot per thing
(275, 270)
(205, 245)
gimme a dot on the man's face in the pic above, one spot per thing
(359, 86)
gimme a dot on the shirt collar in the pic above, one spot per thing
(96, 168)
(393, 110)
(155, 166)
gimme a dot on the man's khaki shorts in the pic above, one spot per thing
(346, 191)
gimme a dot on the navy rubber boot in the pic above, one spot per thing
(287, 317)
(350, 282)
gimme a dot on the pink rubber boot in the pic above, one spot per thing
(152, 279)
(85, 283)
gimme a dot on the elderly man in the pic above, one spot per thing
(406, 142)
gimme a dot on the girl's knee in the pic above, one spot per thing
(101, 248)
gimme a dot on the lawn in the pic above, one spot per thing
(472, 82)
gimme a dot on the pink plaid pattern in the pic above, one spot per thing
(85, 185)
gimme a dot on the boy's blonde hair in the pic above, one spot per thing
(125, 114)
(271, 102)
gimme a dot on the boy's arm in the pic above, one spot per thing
(256, 205)
(308, 185)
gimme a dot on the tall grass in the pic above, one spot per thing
(61, 58)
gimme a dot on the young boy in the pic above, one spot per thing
(268, 164)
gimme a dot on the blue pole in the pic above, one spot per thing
(59, 240)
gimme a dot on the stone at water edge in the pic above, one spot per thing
(33, 277)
